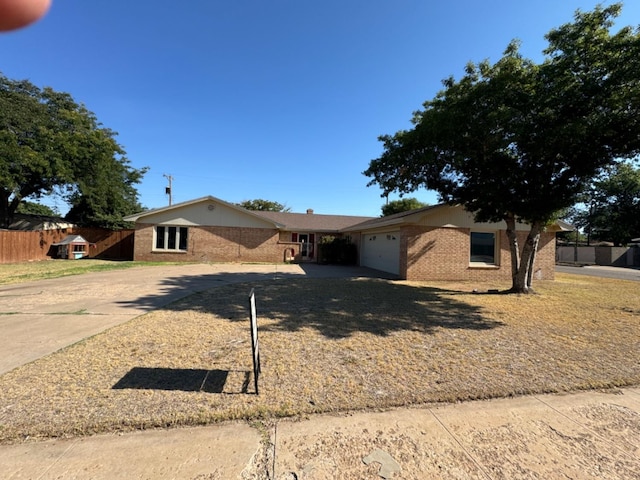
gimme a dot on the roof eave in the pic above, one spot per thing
(210, 198)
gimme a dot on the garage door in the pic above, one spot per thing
(381, 251)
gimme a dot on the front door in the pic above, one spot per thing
(306, 248)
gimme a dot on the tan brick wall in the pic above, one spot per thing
(217, 244)
(443, 254)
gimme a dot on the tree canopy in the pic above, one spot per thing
(519, 141)
(51, 144)
(264, 205)
(33, 208)
(611, 207)
(401, 205)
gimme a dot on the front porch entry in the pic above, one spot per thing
(307, 245)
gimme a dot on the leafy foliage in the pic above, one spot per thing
(51, 144)
(519, 141)
(611, 209)
(264, 205)
(401, 205)
(33, 208)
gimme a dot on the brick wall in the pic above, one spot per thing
(443, 254)
(217, 244)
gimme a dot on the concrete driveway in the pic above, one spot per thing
(39, 318)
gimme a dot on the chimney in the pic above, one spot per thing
(309, 211)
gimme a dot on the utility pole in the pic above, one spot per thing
(168, 189)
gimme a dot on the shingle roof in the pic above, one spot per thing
(69, 239)
(393, 219)
(312, 221)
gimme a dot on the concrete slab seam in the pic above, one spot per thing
(51, 465)
(593, 432)
(455, 439)
(275, 444)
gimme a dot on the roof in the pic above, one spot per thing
(395, 219)
(69, 239)
(31, 222)
(411, 216)
(281, 220)
(312, 221)
(209, 198)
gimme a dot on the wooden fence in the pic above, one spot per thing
(20, 246)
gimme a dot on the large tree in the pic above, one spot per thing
(610, 210)
(264, 205)
(401, 205)
(518, 141)
(51, 144)
(104, 191)
(33, 208)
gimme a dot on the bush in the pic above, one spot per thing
(338, 251)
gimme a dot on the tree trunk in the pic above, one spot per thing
(510, 220)
(522, 280)
(5, 219)
(7, 208)
(532, 261)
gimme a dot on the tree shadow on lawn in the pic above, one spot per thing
(173, 288)
(338, 308)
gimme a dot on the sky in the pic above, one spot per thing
(281, 100)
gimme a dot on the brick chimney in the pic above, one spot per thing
(309, 211)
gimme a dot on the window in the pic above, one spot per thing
(483, 248)
(171, 238)
(78, 248)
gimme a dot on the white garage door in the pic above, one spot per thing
(381, 251)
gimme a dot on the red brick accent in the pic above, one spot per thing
(443, 254)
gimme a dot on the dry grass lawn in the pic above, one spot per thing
(328, 345)
(27, 271)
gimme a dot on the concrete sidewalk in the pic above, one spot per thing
(587, 435)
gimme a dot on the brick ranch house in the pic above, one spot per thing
(440, 242)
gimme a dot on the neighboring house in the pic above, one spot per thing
(440, 242)
(32, 223)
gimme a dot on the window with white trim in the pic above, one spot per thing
(170, 238)
(483, 248)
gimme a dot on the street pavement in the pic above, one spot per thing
(602, 271)
(582, 436)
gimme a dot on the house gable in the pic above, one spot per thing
(439, 216)
(203, 212)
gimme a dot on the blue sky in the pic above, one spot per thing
(281, 99)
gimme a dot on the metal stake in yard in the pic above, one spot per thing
(253, 317)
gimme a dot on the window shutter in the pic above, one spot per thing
(294, 237)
